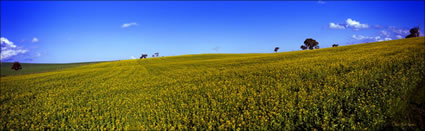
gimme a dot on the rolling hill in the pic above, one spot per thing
(29, 68)
(365, 86)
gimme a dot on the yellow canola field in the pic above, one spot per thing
(359, 87)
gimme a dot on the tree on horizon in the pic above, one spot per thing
(144, 56)
(16, 66)
(276, 49)
(414, 32)
(310, 43)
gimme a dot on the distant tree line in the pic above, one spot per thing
(311, 44)
(144, 56)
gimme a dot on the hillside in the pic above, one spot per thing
(364, 86)
(28, 68)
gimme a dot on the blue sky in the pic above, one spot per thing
(82, 31)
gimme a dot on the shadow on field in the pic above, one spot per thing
(412, 117)
(416, 105)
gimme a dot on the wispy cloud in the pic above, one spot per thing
(35, 39)
(370, 38)
(336, 26)
(216, 49)
(126, 25)
(392, 32)
(386, 38)
(321, 2)
(132, 57)
(383, 33)
(9, 49)
(398, 31)
(361, 37)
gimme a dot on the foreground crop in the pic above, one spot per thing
(366, 86)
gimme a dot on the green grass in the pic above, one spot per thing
(28, 68)
(371, 86)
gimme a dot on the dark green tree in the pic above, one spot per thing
(310, 43)
(144, 56)
(303, 47)
(414, 32)
(16, 66)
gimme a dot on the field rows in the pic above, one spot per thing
(365, 86)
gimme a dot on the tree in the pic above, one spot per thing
(303, 47)
(144, 56)
(310, 44)
(335, 45)
(157, 54)
(16, 66)
(276, 49)
(414, 32)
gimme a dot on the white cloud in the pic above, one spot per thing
(132, 57)
(383, 33)
(8, 49)
(349, 23)
(7, 43)
(336, 26)
(126, 25)
(9, 53)
(355, 24)
(35, 39)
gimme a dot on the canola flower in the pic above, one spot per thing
(356, 87)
